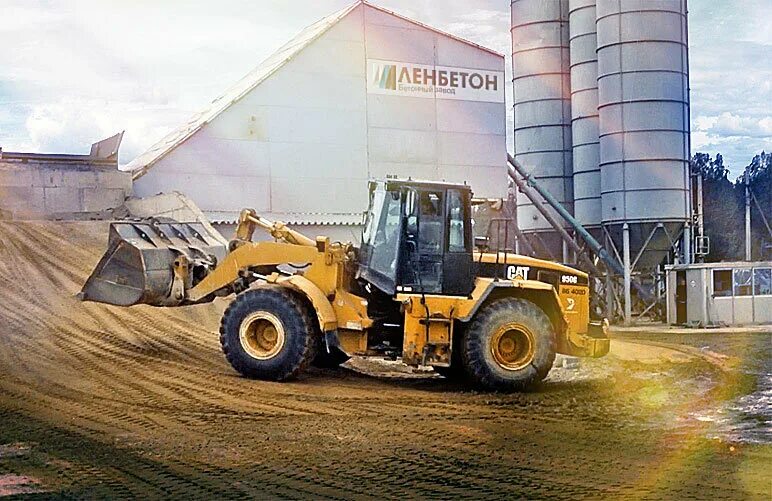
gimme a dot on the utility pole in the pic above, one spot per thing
(688, 243)
(748, 256)
(700, 214)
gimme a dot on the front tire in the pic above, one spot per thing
(266, 333)
(509, 346)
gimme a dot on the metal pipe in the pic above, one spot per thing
(748, 254)
(627, 273)
(609, 297)
(700, 209)
(514, 169)
(528, 191)
(280, 231)
(688, 244)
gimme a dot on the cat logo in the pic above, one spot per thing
(518, 272)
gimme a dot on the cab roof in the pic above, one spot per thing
(391, 184)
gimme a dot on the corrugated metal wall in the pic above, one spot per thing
(307, 138)
(451, 139)
(542, 97)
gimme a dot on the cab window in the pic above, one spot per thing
(430, 225)
(456, 221)
(386, 238)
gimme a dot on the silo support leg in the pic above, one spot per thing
(628, 273)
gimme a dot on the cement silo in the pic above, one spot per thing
(584, 112)
(542, 103)
(643, 89)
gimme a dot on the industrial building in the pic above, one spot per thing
(712, 294)
(364, 93)
(56, 186)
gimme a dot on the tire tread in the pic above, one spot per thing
(473, 356)
(270, 298)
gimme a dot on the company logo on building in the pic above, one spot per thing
(385, 76)
(416, 80)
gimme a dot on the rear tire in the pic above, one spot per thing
(509, 346)
(266, 333)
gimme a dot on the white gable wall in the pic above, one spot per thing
(307, 139)
(434, 138)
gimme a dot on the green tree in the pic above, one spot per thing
(723, 212)
(759, 172)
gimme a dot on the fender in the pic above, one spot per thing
(328, 320)
(486, 287)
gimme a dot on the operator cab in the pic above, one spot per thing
(418, 238)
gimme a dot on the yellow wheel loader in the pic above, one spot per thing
(416, 288)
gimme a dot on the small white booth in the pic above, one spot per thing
(706, 294)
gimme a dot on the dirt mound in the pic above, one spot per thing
(139, 402)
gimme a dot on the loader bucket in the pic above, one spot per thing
(138, 267)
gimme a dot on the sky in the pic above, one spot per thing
(74, 72)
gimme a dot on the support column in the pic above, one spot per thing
(700, 215)
(610, 307)
(688, 244)
(748, 253)
(628, 273)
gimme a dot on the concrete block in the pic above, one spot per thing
(14, 176)
(24, 200)
(80, 178)
(113, 179)
(98, 199)
(48, 178)
(63, 199)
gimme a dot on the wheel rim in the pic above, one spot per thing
(262, 335)
(512, 346)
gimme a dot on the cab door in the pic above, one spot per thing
(424, 241)
(458, 279)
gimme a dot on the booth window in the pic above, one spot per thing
(722, 283)
(762, 281)
(743, 282)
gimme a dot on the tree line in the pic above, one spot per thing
(724, 207)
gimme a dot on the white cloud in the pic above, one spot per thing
(73, 125)
(731, 125)
(85, 69)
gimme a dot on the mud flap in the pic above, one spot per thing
(152, 262)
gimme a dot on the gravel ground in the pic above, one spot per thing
(97, 401)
